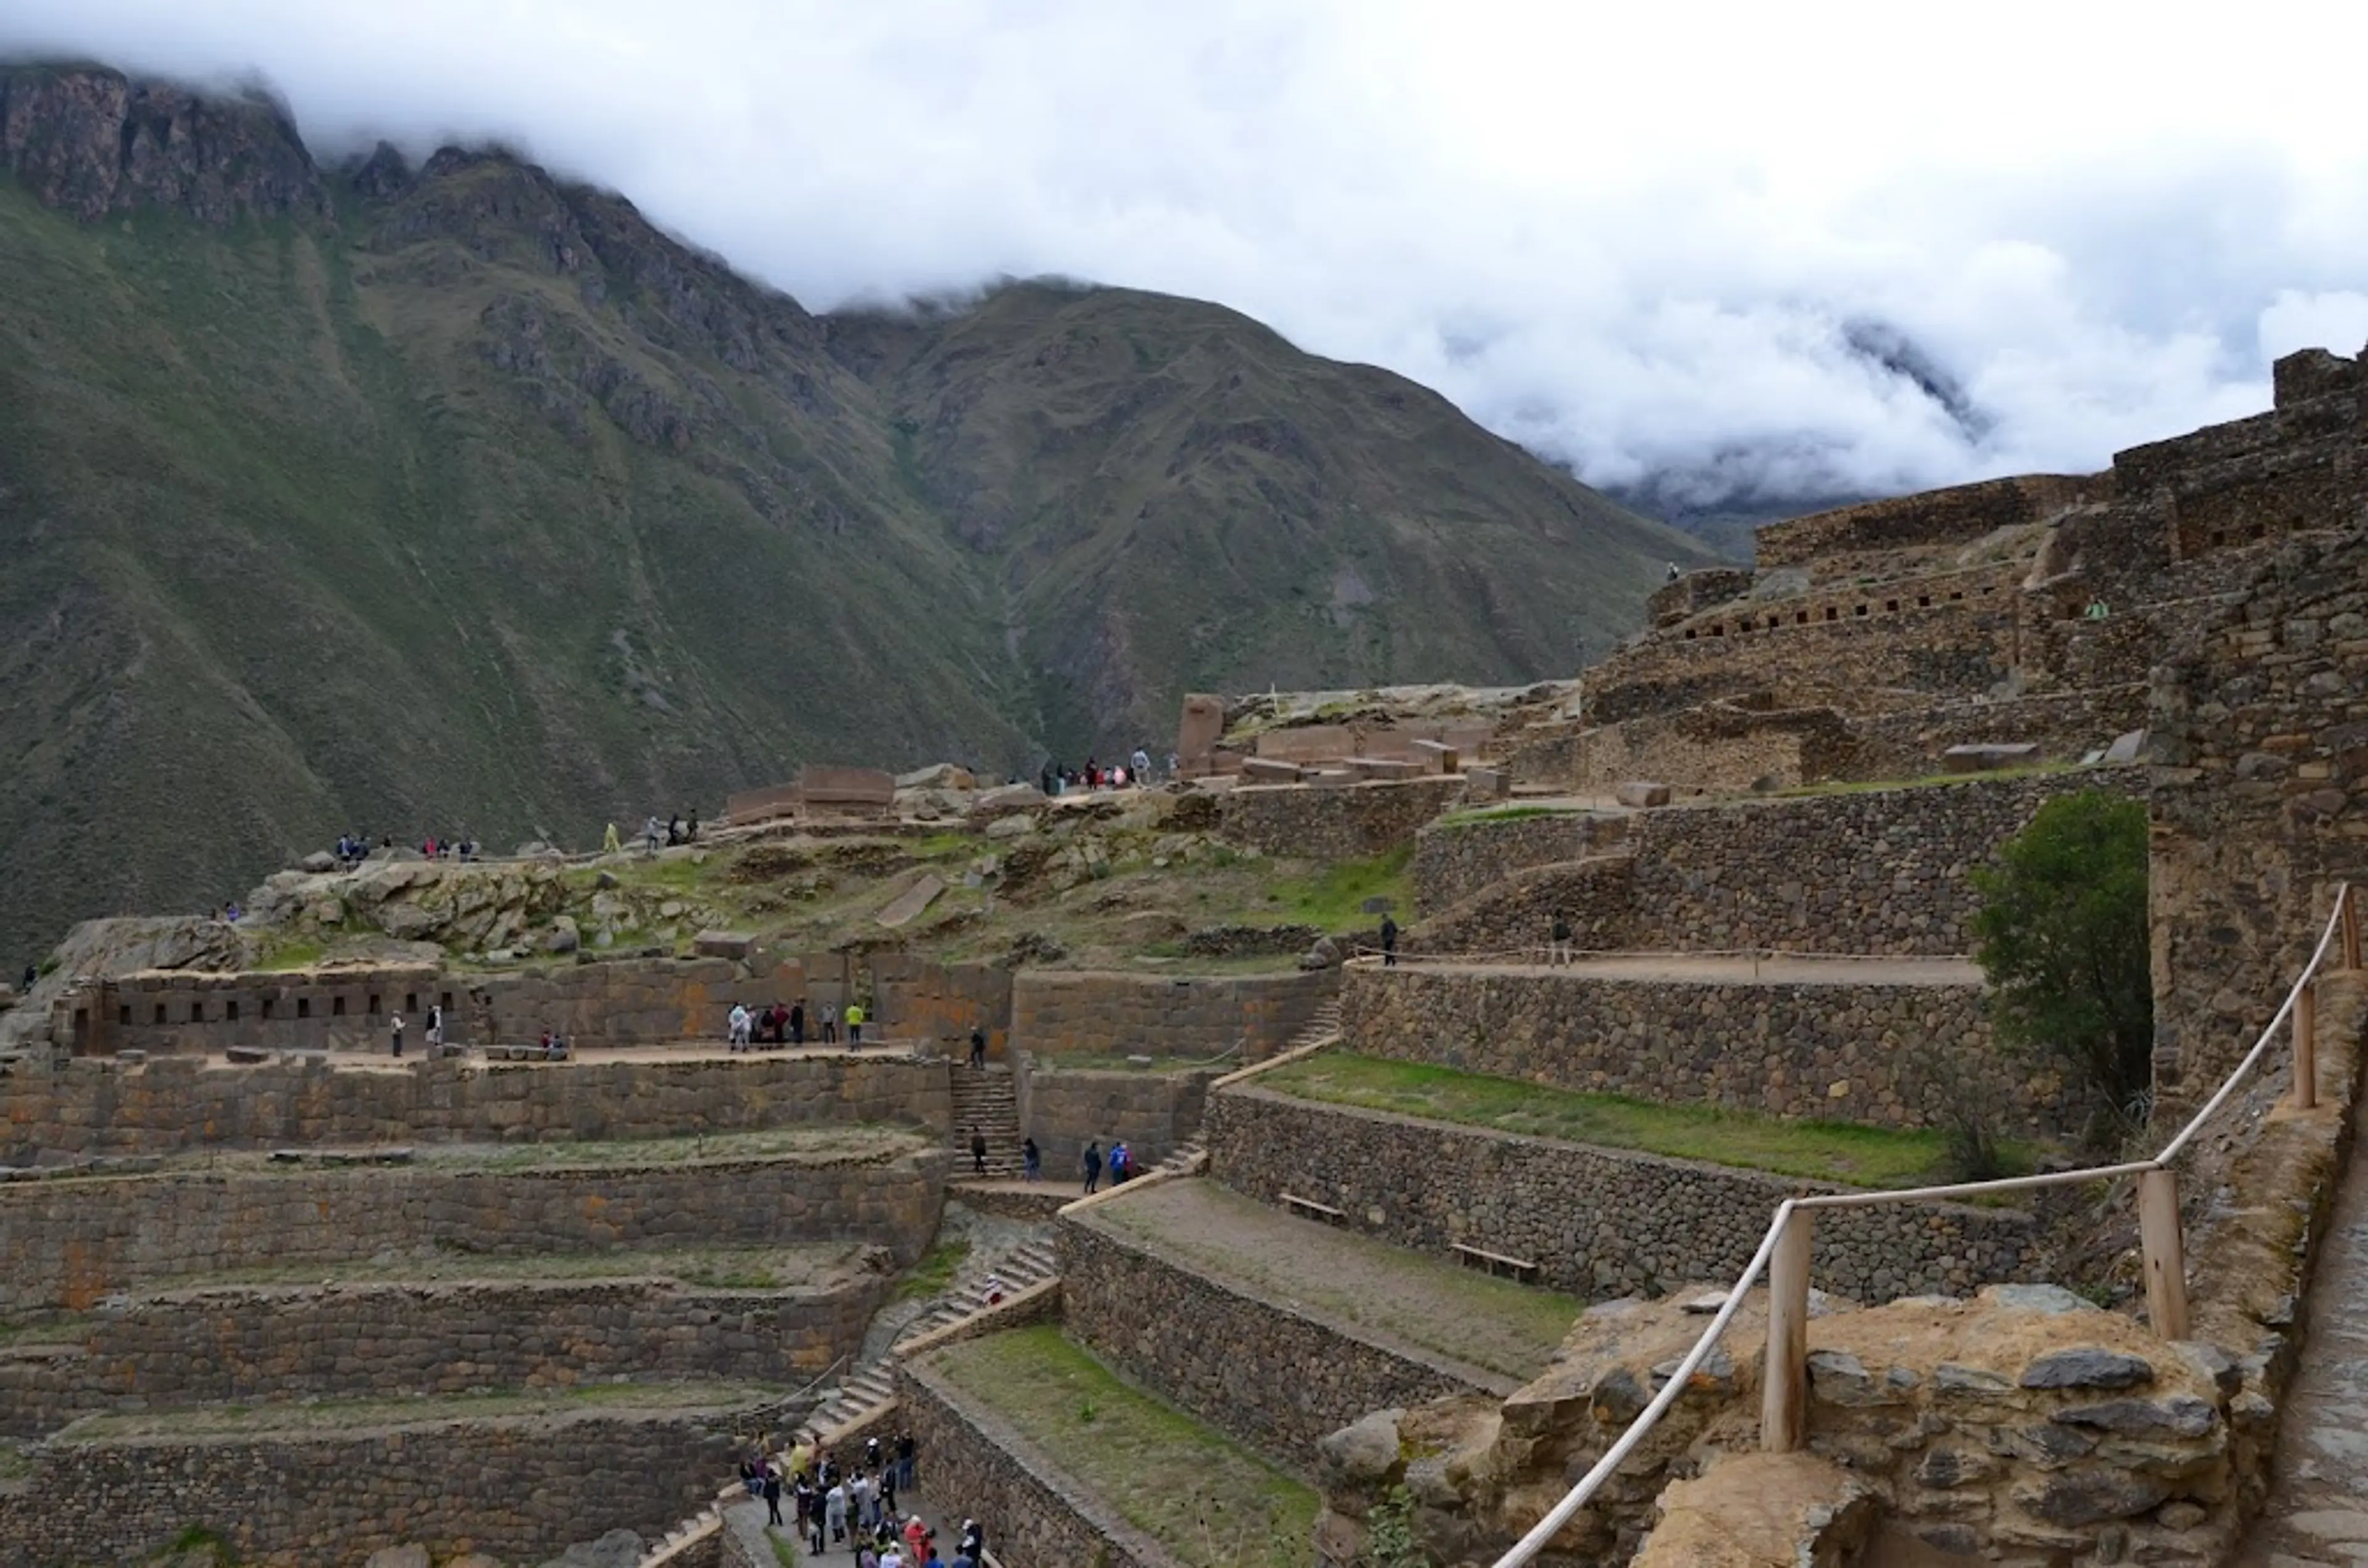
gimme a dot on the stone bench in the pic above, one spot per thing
(1497, 1262)
(1308, 1207)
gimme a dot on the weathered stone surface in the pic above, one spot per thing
(1640, 794)
(722, 944)
(1363, 1452)
(411, 1556)
(2087, 1367)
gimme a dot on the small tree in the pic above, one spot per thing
(2062, 936)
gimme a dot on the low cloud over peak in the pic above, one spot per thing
(1704, 256)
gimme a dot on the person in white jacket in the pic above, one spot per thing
(739, 1032)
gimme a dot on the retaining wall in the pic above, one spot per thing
(1599, 1222)
(68, 1243)
(519, 1490)
(1191, 1017)
(1035, 1516)
(1272, 1376)
(98, 1106)
(1347, 821)
(1890, 1055)
(1153, 1113)
(1457, 857)
(263, 1343)
(1880, 873)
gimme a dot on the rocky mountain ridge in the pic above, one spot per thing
(457, 497)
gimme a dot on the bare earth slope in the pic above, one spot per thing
(461, 499)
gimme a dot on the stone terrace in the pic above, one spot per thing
(1279, 1329)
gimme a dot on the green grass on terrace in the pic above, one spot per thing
(1208, 1501)
(1489, 816)
(934, 1273)
(1934, 780)
(1334, 897)
(1844, 1152)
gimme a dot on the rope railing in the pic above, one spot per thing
(1551, 954)
(1785, 1250)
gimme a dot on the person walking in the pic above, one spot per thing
(1389, 942)
(1121, 1163)
(855, 1025)
(830, 1023)
(1559, 952)
(609, 843)
(737, 1032)
(1091, 1161)
(435, 1028)
(1032, 1159)
(905, 1463)
(798, 1021)
(650, 833)
(772, 1495)
(977, 1151)
(977, 1047)
(398, 1035)
(834, 1507)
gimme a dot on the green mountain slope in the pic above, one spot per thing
(461, 499)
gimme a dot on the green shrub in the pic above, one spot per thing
(2062, 936)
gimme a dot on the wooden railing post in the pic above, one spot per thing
(2351, 928)
(1784, 1380)
(2165, 1255)
(2305, 1046)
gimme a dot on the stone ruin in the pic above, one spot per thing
(214, 1214)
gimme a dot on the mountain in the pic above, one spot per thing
(459, 497)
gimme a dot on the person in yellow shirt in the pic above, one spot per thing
(609, 845)
(855, 1023)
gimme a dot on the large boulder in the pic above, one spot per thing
(617, 1548)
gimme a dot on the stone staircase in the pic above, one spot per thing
(869, 1387)
(987, 1100)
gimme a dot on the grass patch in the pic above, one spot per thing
(298, 953)
(1208, 1501)
(1492, 815)
(783, 1552)
(1930, 781)
(934, 1274)
(1844, 1152)
(1334, 897)
(338, 1415)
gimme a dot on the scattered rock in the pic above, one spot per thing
(414, 1556)
(320, 862)
(1363, 1452)
(564, 936)
(2035, 1298)
(1641, 794)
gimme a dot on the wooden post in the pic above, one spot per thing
(1784, 1379)
(2166, 1257)
(2351, 928)
(2305, 1046)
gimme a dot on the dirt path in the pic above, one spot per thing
(2317, 1513)
(1712, 968)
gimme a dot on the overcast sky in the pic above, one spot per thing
(1799, 248)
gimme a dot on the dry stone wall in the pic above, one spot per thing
(66, 1244)
(519, 1490)
(95, 1105)
(1458, 857)
(1889, 1055)
(1327, 822)
(260, 1343)
(1270, 1374)
(1720, 747)
(1153, 1113)
(2260, 805)
(917, 1000)
(1036, 1515)
(1599, 1222)
(1182, 1018)
(614, 1002)
(1881, 872)
(1517, 915)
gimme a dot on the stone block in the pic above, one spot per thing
(736, 944)
(1487, 784)
(2127, 747)
(1641, 794)
(1439, 755)
(1266, 770)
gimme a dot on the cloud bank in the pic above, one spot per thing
(1722, 252)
